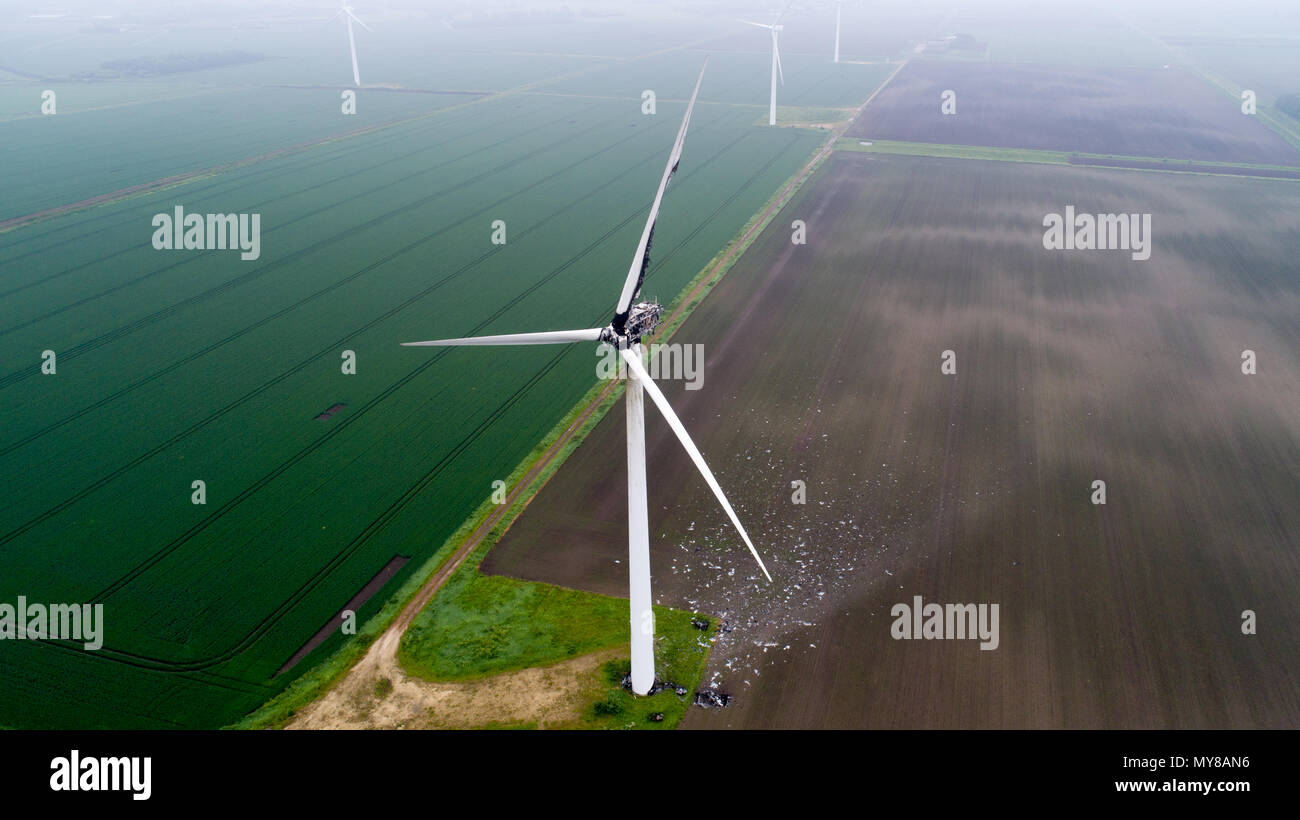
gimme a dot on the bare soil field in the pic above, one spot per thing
(1124, 111)
(822, 365)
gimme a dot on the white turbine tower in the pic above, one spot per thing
(777, 71)
(347, 14)
(631, 322)
(839, 7)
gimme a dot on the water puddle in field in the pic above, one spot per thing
(333, 409)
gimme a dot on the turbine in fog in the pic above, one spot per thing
(839, 7)
(777, 71)
(631, 322)
(347, 14)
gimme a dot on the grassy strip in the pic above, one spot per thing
(934, 149)
(807, 116)
(982, 152)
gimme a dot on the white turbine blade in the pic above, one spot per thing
(751, 23)
(358, 19)
(352, 46)
(636, 273)
(550, 337)
(652, 390)
(776, 51)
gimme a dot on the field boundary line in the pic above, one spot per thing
(1069, 159)
(202, 91)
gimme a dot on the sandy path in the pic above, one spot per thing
(547, 697)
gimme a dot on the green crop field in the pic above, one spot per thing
(226, 453)
(180, 366)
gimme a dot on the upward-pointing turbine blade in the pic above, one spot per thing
(656, 395)
(550, 337)
(783, 12)
(636, 273)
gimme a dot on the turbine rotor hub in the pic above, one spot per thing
(642, 318)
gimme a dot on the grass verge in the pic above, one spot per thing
(982, 152)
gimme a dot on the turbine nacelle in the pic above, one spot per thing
(641, 320)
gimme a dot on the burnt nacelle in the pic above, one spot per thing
(641, 320)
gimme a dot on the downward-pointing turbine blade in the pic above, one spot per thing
(359, 23)
(636, 273)
(550, 337)
(776, 51)
(656, 395)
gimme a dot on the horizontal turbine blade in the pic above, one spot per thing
(752, 23)
(636, 273)
(549, 337)
(656, 395)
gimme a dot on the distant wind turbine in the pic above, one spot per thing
(347, 14)
(839, 7)
(630, 324)
(776, 29)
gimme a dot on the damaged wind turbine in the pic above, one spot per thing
(631, 322)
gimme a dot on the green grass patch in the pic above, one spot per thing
(928, 149)
(487, 624)
(681, 653)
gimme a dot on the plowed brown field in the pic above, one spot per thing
(822, 364)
